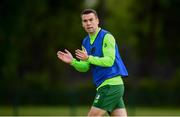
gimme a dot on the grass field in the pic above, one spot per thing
(82, 111)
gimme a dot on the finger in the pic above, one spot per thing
(80, 52)
(79, 57)
(67, 51)
(77, 50)
(60, 53)
(77, 53)
(60, 57)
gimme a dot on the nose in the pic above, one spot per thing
(88, 22)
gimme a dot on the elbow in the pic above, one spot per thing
(110, 63)
(84, 70)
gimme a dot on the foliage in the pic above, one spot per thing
(32, 31)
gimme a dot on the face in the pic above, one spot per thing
(90, 23)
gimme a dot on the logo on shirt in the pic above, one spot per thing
(93, 50)
(97, 99)
(98, 96)
(105, 45)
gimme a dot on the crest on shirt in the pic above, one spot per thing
(93, 50)
(105, 45)
(97, 99)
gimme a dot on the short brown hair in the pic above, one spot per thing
(88, 11)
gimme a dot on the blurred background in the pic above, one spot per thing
(34, 82)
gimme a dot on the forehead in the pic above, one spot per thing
(88, 16)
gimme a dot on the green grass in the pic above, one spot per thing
(82, 111)
(154, 111)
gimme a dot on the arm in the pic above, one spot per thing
(108, 51)
(81, 66)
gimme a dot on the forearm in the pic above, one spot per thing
(101, 61)
(81, 66)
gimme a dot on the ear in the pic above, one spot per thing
(97, 20)
(82, 24)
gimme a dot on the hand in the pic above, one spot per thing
(82, 55)
(65, 56)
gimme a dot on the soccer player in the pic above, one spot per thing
(100, 54)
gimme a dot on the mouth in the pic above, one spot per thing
(89, 28)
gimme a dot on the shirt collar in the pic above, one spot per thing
(94, 35)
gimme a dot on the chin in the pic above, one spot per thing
(90, 31)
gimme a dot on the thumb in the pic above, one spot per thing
(67, 51)
(83, 49)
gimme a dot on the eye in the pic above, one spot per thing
(91, 19)
(84, 20)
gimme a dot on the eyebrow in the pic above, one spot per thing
(88, 19)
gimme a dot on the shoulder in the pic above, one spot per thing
(85, 39)
(104, 31)
(107, 33)
(109, 38)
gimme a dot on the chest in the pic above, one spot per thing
(95, 48)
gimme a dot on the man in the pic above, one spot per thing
(100, 53)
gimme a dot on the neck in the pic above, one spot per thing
(94, 33)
